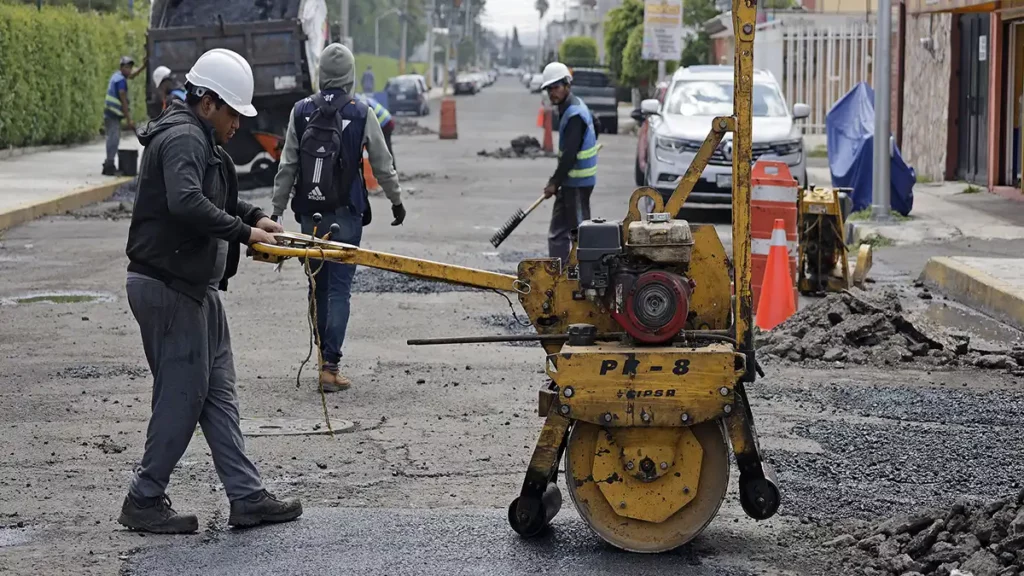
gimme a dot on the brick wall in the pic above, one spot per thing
(926, 94)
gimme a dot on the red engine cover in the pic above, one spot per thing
(654, 309)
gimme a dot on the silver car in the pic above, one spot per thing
(697, 95)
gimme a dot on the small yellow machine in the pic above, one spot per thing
(647, 334)
(823, 262)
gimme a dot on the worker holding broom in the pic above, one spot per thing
(576, 174)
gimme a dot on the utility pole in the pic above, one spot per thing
(430, 45)
(404, 15)
(881, 183)
(345, 39)
(467, 33)
(540, 45)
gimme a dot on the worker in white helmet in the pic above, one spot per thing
(187, 228)
(167, 86)
(576, 174)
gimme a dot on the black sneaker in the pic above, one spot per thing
(261, 507)
(155, 515)
(109, 170)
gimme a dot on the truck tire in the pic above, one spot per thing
(638, 175)
(611, 124)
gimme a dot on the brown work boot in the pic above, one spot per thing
(261, 507)
(155, 515)
(333, 382)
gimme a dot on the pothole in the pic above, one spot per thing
(59, 297)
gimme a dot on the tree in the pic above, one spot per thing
(695, 14)
(618, 25)
(516, 57)
(636, 71)
(578, 51)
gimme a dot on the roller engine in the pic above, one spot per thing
(644, 284)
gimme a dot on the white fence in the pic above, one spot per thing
(816, 64)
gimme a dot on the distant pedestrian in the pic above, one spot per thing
(369, 82)
(384, 118)
(168, 86)
(116, 109)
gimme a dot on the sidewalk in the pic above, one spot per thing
(979, 237)
(54, 181)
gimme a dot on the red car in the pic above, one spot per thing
(641, 145)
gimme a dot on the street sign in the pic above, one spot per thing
(663, 29)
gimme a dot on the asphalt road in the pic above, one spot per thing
(441, 435)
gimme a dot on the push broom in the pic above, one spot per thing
(514, 221)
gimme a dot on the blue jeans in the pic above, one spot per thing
(334, 281)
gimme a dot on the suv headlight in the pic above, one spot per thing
(788, 147)
(675, 145)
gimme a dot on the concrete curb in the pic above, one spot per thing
(972, 287)
(69, 201)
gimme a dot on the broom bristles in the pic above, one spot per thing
(508, 227)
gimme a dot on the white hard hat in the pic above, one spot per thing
(554, 73)
(229, 75)
(159, 74)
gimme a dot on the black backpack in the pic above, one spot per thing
(320, 159)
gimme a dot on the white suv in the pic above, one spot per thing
(678, 126)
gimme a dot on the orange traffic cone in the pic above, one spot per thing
(776, 303)
(540, 117)
(549, 145)
(371, 181)
(449, 130)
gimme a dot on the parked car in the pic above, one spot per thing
(408, 93)
(466, 84)
(678, 126)
(535, 81)
(595, 87)
(642, 134)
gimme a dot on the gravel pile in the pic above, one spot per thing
(970, 538)
(205, 13)
(522, 147)
(406, 127)
(874, 329)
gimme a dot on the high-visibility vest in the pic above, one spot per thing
(382, 114)
(113, 100)
(584, 171)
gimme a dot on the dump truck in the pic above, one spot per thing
(282, 41)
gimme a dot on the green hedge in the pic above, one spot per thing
(383, 69)
(54, 68)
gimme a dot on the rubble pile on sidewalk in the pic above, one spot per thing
(970, 538)
(406, 127)
(860, 328)
(521, 147)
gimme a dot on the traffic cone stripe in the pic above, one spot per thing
(761, 247)
(777, 301)
(774, 194)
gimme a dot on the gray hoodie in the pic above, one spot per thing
(337, 71)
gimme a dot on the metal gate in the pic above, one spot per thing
(972, 160)
(816, 64)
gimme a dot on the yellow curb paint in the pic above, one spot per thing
(71, 201)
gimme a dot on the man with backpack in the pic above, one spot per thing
(322, 163)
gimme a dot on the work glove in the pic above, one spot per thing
(399, 212)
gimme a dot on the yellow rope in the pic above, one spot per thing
(314, 337)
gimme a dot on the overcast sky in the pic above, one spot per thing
(502, 15)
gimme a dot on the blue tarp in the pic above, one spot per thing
(850, 127)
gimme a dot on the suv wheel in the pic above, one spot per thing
(638, 175)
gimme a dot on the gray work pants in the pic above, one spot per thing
(572, 206)
(188, 347)
(112, 127)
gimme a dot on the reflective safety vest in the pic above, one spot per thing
(383, 116)
(113, 101)
(584, 171)
(178, 93)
